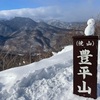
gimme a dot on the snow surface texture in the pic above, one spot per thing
(48, 79)
(89, 30)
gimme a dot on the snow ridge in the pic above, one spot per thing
(48, 79)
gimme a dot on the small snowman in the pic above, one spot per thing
(90, 29)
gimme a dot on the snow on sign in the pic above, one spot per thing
(85, 65)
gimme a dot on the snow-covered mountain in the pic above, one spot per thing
(48, 79)
(66, 25)
(59, 24)
(21, 34)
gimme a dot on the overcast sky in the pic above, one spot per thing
(67, 10)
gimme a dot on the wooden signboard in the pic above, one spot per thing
(85, 49)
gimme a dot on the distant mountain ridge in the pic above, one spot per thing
(66, 25)
(23, 35)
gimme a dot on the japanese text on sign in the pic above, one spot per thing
(85, 49)
(84, 70)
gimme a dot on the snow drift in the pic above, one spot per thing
(48, 79)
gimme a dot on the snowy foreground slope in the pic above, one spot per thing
(48, 79)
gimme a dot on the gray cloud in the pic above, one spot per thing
(51, 12)
(39, 13)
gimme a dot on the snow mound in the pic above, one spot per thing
(48, 79)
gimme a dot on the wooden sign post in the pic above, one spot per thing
(85, 66)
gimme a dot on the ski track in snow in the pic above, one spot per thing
(49, 79)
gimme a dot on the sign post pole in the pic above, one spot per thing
(85, 52)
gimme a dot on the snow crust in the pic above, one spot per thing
(48, 79)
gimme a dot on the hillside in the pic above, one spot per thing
(24, 35)
(48, 79)
(23, 40)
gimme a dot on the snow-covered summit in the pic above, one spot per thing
(48, 79)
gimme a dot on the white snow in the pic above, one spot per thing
(48, 79)
(89, 30)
